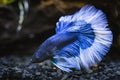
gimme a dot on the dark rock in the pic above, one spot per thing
(47, 71)
(59, 73)
(95, 74)
(37, 73)
(5, 61)
(81, 78)
(33, 66)
(109, 74)
(26, 74)
(92, 78)
(1, 75)
(5, 69)
(108, 70)
(64, 77)
(117, 73)
(103, 77)
(53, 73)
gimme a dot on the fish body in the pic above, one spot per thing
(81, 40)
(53, 44)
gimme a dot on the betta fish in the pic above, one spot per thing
(81, 40)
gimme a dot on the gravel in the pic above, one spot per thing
(15, 68)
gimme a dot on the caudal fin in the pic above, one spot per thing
(94, 39)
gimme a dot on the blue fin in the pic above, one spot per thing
(94, 39)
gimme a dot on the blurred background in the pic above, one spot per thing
(25, 24)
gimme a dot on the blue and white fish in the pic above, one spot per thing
(81, 40)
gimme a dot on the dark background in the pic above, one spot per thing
(40, 22)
